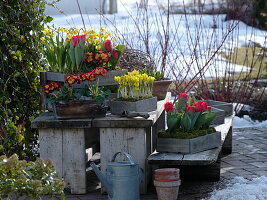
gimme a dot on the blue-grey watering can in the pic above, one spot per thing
(122, 178)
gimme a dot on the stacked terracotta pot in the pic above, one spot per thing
(167, 182)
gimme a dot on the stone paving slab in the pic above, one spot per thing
(248, 159)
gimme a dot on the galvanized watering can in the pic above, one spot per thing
(122, 178)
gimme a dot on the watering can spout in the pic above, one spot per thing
(103, 179)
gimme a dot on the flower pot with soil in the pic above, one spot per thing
(134, 94)
(161, 84)
(189, 128)
(70, 102)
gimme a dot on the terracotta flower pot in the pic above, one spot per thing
(160, 88)
(167, 174)
(167, 182)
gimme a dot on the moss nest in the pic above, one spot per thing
(182, 134)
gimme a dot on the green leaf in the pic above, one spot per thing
(181, 105)
(186, 123)
(200, 121)
(72, 54)
(79, 54)
(48, 19)
(173, 121)
(209, 118)
(100, 99)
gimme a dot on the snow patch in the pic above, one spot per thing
(246, 122)
(240, 189)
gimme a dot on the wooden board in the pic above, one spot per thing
(227, 107)
(74, 169)
(50, 143)
(131, 140)
(48, 120)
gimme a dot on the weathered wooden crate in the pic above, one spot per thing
(227, 107)
(220, 116)
(46, 77)
(189, 146)
(145, 105)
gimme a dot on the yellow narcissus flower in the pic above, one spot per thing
(102, 30)
(98, 47)
(48, 32)
(69, 36)
(73, 31)
(97, 41)
(42, 39)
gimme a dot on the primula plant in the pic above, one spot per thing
(187, 118)
(76, 51)
(19, 178)
(68, 92)
(134, 86)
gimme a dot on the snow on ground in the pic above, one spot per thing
(241, 189)
(246, 121)
(194, 38)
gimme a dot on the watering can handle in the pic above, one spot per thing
(124, 153)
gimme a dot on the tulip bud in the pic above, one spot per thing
(108, 45)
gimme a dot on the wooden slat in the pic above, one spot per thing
(48, 120)
(54, 76)
(163, 158)
(50, 143)
(74, 157)
(131, 140)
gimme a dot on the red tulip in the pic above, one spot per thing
(190, 108)
(168, 106)
(201, 106)
(183, 95)
(108, 45)
(115, 54)
(77, 38)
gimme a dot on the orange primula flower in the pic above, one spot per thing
(100, 71)
(89, 57)
(72, 78)
(49, 88)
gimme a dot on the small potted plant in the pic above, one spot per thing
(161, 84)
(134, 93)
(70, 102)
(189, 129)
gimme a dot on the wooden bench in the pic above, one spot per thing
(203, 165)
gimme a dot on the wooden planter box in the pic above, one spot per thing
(220, 116)
(79, 109)
(227, 107)
(145, 105)
(46, 77)
(189, 146)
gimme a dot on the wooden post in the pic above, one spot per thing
(113, 6)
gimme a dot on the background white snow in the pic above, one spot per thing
(243, 189)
